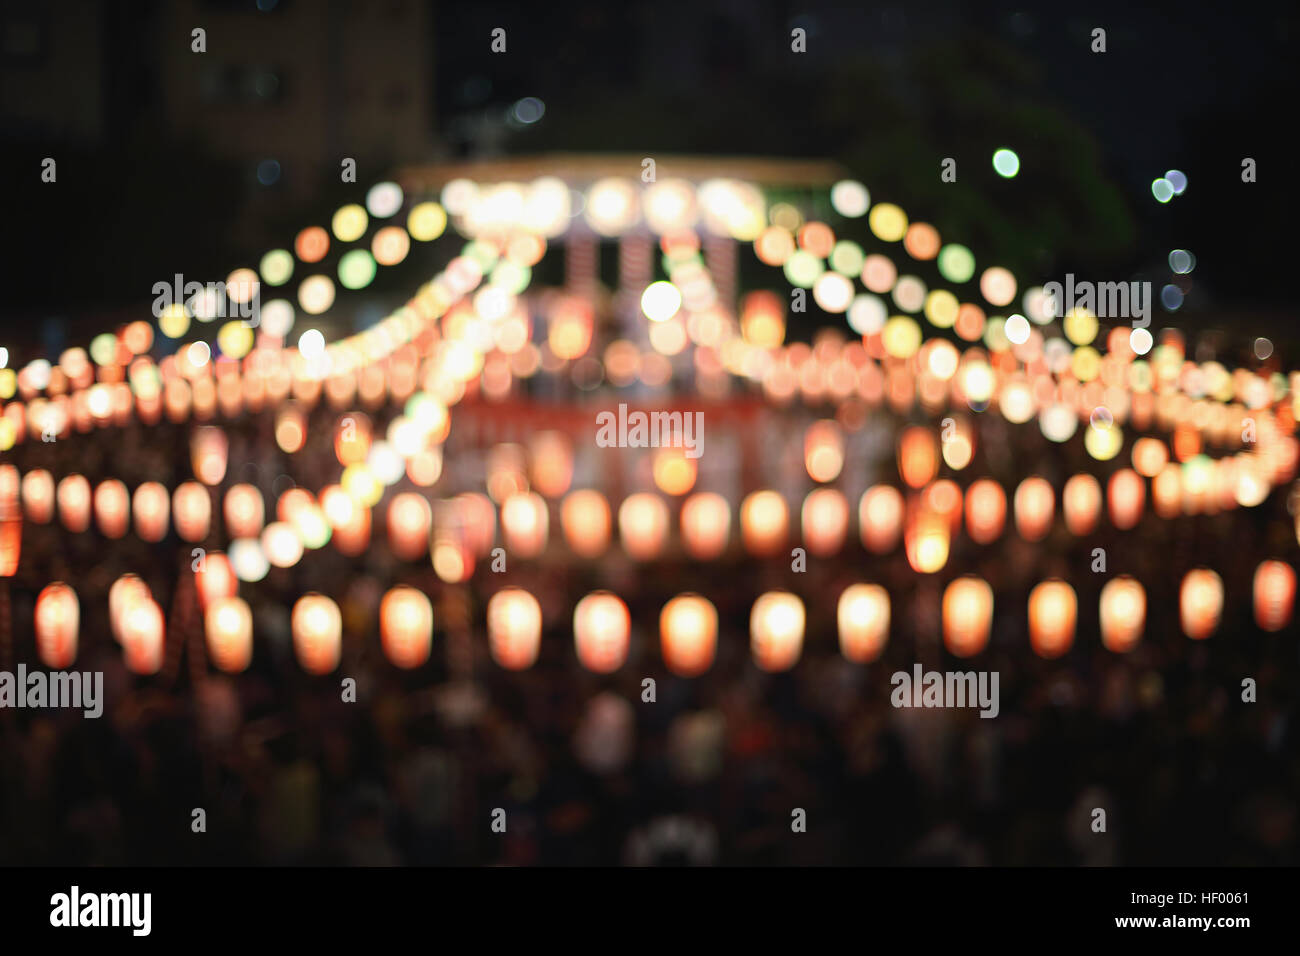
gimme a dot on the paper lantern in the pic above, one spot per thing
(11, 522)
(112, 508)
(643, 525)
(525, 524)
(244, 511)
(926, 542)
(601, 628)
(825, 521)
(1081, 503)
(122, 596)
(214, 579)
(514, 622)
(406, 626)
(209, 448)
(281, 544)
(352, 438)
(1123, 613)
(1274, 593)
(764, 523)
(317, 627)
(1053, 610)
(918, 456)
(228, 625)
(74, 503)
(967, 614)
(1167, 492)
(142, 636)
(349, 518)
(688, 633)
(1035, 503)
(943, 499)
(880, 518)
(1126, 494)
(38, 496)
(1200, 603)
(410, 520)
(192, 511)
(674, 473)
(863, 618)
(477, 519)
(58, 616)
(151, 506)
(706, 525)
(585, 519)
(776, 625)
(552, 463)
(986, 511)
(823, 450)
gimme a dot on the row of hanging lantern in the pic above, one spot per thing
(688, 623)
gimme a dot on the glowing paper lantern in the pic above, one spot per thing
(552, 463)
(11, 522)
(514, 622)
(926, 542)
(151, 506)
(823, 450)
(410, 520)
(1126, 496)
(281, 544)
(58, 617)
(525, 524)
(1035, 503)
(352, 439)
(643, 525)
(688, 632)
(122, 596)
(585, 518)
(986, 511)
(880, 518)
(706, 525)
(863, 618)
(142, 636)
(244, 511)
(228, 626)
(192, 511)
(215, 578)
(1274, 593)
(1123, 613)
(825, 521)
(317, 628)
(208, 452)
(1053, 610)
(764, 523)
(918, 456)
(406, 626)
(967, 616)
(601, 628)
(1081, 503)
(1200, 603)
(38, 496)
(112, 508)
(776, 625)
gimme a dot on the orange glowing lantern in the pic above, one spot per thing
(58, 617)
(863, 618)
(1149, 456)
(643, 525)
(764, 523)
(38, 496)
(214, 578)
(880, 518)
(151, 506)
(825, 521)
(552, 463)
(688, 632)
(410, 520)
(525, 523)
(926, 542)
(352, 438)
(317, 628)
(112, 508)
(1274, 593)
(209, 449)
(918, 456)
(244, 511)
(585, 518)
(1053, 610)
(1123, 613)
(823, 450)
(122, 596)
(1127, 495)
(1200, 603)
(986, 511)
(776, 625)
(74, 503)
(142, 636)
(514, 622)
(1167, 492)
(967, 615)
(1081, 502)
(406, 626)
(192, 511)
(706, 525)
(228, 625)
(281, 544)
(1035, 503)
(674, 473)
(11, 523)
(601, 628)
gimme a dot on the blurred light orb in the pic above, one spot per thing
(1162, 189)
(1181, 262)
(850, 198)
(1178, 180)
(660, 301)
